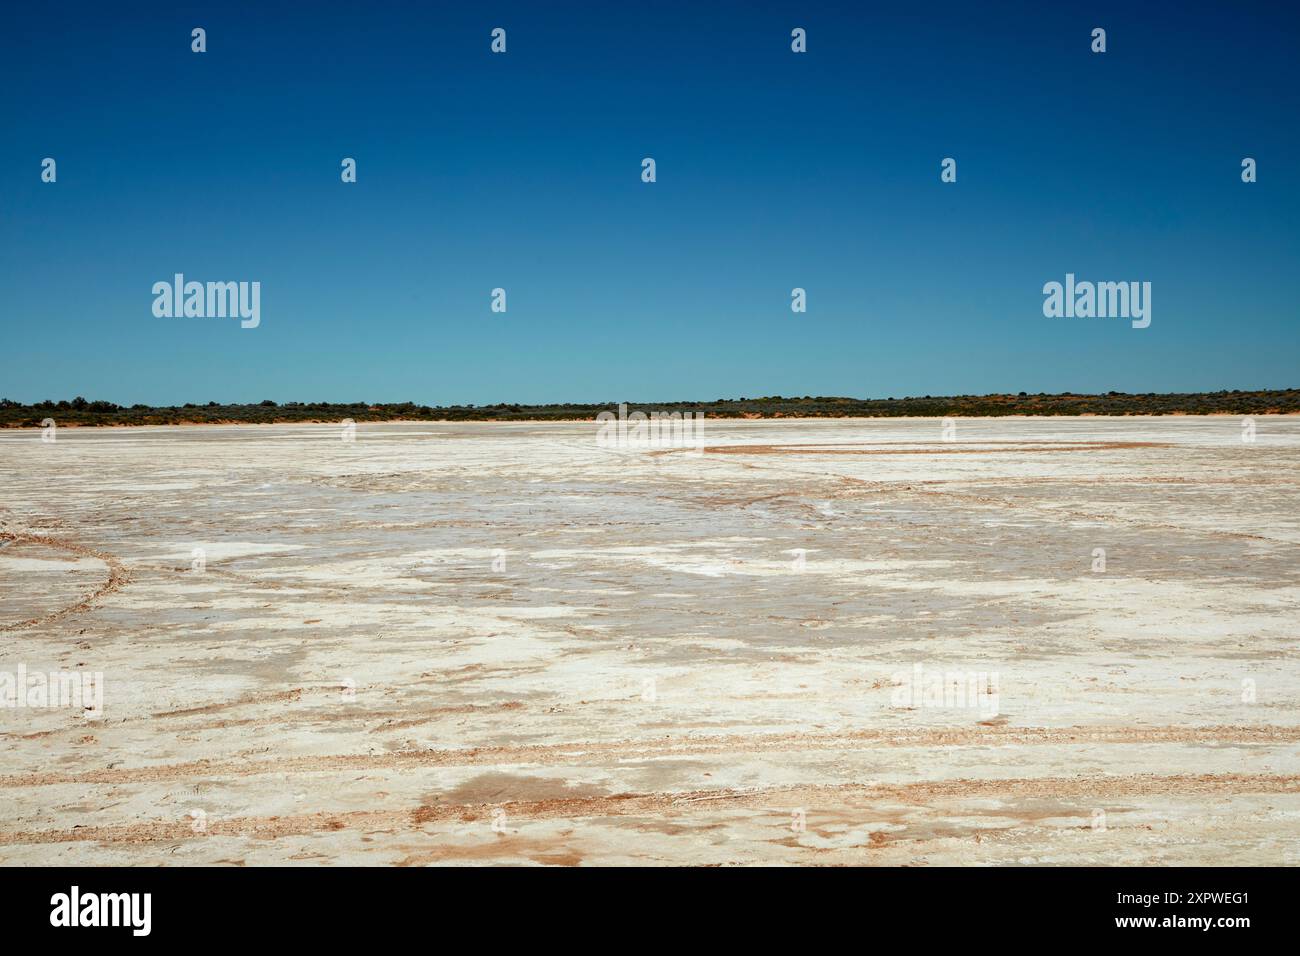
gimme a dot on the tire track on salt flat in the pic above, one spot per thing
(118, 576)
(577, 754)
(686, 803)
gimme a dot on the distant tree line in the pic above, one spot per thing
(79, 411)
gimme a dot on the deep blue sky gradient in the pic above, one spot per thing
(775, 170)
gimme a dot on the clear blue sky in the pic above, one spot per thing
(522, 170)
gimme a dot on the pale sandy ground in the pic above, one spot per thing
(652, 678)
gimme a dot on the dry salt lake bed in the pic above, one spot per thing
(818, 642)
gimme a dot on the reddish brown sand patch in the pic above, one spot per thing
(684, 803)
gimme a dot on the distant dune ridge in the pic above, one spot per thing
(79, 411)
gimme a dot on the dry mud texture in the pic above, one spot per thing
(501, 643)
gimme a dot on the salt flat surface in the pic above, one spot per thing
(820, 641)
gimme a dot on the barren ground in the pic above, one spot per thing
(501, 643)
